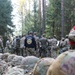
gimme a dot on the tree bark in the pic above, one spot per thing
(44, 15)
(39, 17)
(62, 18)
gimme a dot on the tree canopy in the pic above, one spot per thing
(53, 17)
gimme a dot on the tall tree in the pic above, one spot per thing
(40, 17)
(54, 17)
(6, 24)
(44, 15)
(62, 18)
(35, 16)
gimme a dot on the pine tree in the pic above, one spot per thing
(6, 24)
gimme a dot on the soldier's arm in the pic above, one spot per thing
(25, 42)
(34, 42)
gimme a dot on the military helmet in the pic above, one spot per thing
(30, 32)
(43, 35)
(42, 66)
(63, 65)
(35, 33)
(66, 36)
(62, 38)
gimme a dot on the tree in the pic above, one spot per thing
(6, 25)
(40, 17)
(53, 18)
(62, 18)
(44, 15)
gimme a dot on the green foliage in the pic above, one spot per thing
(32, 20)
(53, 18)
(6, 24)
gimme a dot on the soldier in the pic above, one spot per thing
(1, 44)
(22, 47)
(8, 45)
(16, 45)
(30, 44)
(37, 43)
(36, 39)
(67, 41)
(43, 46)
(54, 47)
(13, 45)
(64, 44)
(49, 46)
(65, 62)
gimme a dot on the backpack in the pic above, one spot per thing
(17, 42)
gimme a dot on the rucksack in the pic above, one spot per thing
(17, 42)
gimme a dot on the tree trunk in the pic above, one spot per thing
(39, 17)
(29, 9)
(43, 17)
(35, 14)
(62, 18)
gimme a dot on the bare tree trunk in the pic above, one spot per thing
(29, 9)
(40, 20)
(35, 14)
(43, 20)
(62, 18)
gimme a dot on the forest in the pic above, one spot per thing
(54, 17)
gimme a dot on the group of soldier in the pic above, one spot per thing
(31, 44)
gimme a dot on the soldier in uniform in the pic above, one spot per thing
(22, 47)
(1, 44)
(49, 46)
(30, 44)
(54, 47)
(43, 46)
(16, 45)
(8, 45)
(37, 43)
(67, 41)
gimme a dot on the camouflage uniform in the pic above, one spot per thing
(30, 52)
(16, 45)
(54, 48)
(49, 47)
(62, 45)
(67, 42)
(8, 46)
(22, 47)
(1, 45)
(43, 47)
(37, 44)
